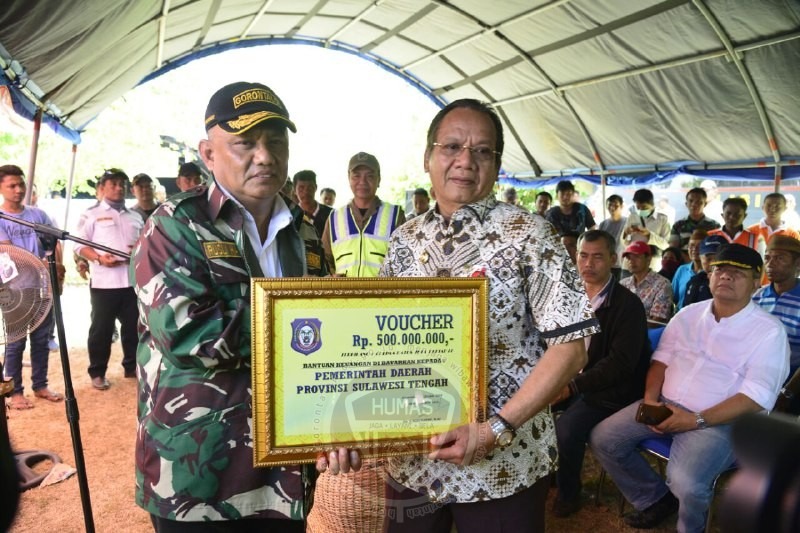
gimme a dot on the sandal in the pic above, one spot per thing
(47, 394)
(19, 402)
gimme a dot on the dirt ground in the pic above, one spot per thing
(107, 427)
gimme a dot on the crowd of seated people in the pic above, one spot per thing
(736, 278)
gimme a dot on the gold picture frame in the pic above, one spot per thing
(377, 364)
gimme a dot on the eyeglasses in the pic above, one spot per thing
(481, 153)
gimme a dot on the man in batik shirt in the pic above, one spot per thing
(653, 289)
(538, 314)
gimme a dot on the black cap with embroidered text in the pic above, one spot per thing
(239, 106)
(739, 256)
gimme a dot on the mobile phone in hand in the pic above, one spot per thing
(652, 415)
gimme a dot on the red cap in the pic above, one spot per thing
(638, 248)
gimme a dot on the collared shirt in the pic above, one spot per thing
(766, 232)
(413, 214)
(360, 220)
(658, 226)
(743, 237)
(267, 251)
(709, 361)
(535, 298)
(786, 307)
(698, 289)
(680, 281)
(597, 302)
(24, 236)
(600, 298)
(118, 230)
(683, 228)
(655, 292)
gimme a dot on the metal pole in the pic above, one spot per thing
(37, 126)
(68, 191)
(70, 402)
(603, 192)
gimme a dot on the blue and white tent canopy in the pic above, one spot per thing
(583, 86)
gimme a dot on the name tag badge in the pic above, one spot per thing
(218, 250)
(313, 260)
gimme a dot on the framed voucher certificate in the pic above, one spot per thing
(377, 364)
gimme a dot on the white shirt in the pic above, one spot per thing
(119, 230)
(267, 251)
(709, 361)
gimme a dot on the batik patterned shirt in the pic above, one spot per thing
(655, 292)
(536, 299)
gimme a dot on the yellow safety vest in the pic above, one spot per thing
(359, 253)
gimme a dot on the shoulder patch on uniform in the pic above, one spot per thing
(216, 250)
(313, 260)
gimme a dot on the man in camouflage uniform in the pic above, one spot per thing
(191, 271)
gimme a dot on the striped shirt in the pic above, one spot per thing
(786, 307)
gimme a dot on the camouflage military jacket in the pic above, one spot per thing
(194, 453)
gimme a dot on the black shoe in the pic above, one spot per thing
(653, 515)
(565, 508)
(130, 373)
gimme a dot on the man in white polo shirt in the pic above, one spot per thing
(111, 224)
(717, 360)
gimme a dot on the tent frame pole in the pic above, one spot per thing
(31, 174)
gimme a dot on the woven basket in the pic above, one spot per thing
(350, 503)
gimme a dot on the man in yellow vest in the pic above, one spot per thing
(356, 236)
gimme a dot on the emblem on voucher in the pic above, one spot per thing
(306, 337)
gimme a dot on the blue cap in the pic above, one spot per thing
(711, 244)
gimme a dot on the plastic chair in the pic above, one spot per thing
(654, 334)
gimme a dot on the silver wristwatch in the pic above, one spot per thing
(700, 421)
(503, 431)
